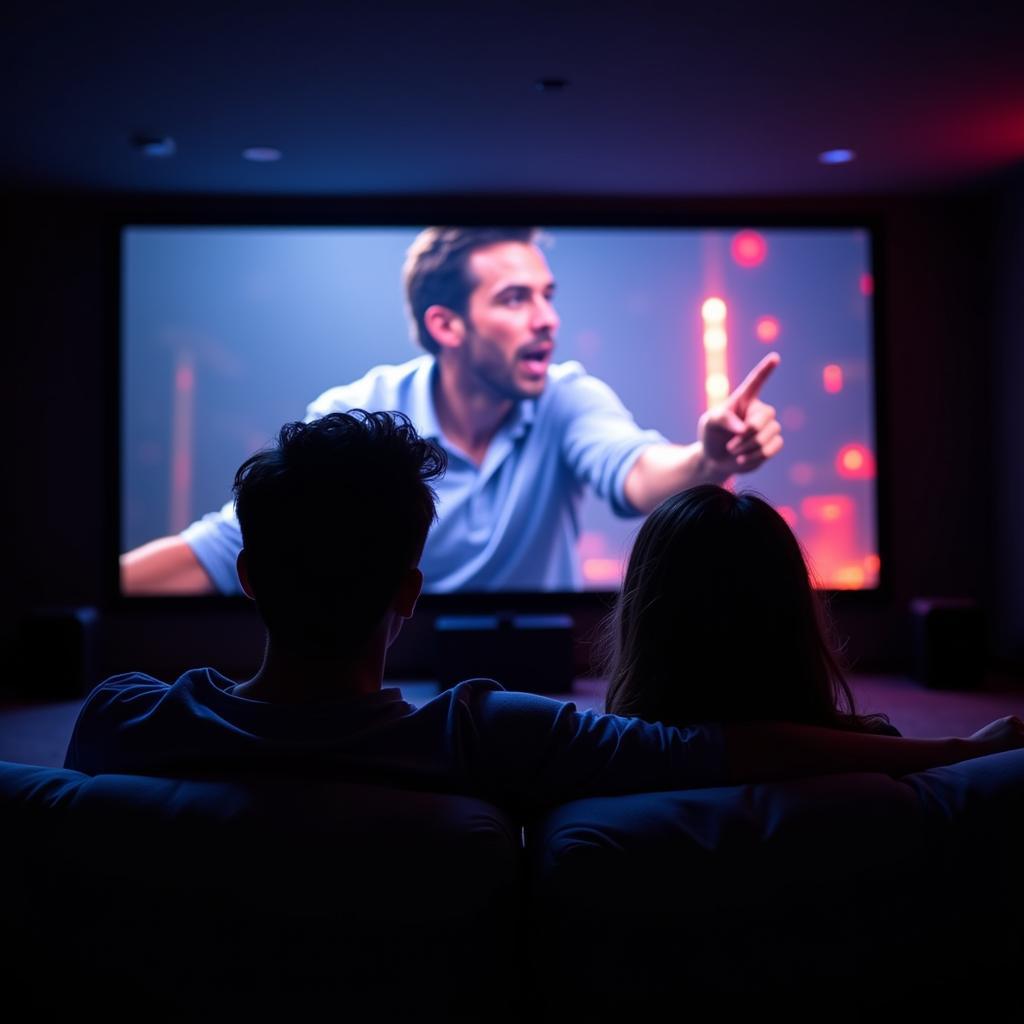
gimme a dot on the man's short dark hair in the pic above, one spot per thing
(332, 516)
(436, 271)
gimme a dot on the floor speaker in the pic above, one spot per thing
(57, 652)
(948, 637)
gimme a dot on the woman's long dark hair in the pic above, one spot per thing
(718, 620)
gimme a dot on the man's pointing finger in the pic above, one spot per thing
(752, 384)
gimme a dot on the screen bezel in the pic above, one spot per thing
(550, 213)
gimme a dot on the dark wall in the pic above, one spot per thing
(940, 368)
(1008, 426)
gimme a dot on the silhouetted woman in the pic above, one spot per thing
(718, 621)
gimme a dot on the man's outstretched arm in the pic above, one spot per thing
(163, 567)
(546, 752)
(734, 437)
(775, 751)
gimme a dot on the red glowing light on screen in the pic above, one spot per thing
(867, 284)
(872, 564)
(788, 513)
(855, 462)
(181, 471)
(182, 431)
(749, 248)
(602, 570)
(829, 532)
(832, 378)
(826, 508)
(767, 329)
(848, 577)
(713, 311)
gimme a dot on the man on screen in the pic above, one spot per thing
(524, 436)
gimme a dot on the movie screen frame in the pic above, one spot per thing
(410, 214)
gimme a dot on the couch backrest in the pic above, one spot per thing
(851, 883)
(252, 894)
(265, 897)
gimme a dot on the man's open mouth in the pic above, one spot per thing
(537, 357)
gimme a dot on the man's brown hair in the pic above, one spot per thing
(436, 270)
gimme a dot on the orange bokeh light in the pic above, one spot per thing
(602, 570)
(713, 310)
(829, 532)
(855, 462)
(848, 577)
(715, 339)
(767, 329)
(832, 378)
(826, 508)
(749, 248)
(716, 387)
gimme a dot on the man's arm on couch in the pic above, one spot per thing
(770, 751)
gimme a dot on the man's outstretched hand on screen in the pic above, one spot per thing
(742, 432)
(734, 437)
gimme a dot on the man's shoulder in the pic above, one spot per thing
(128, 682)
(381, 387)
(572, 390)
(138, 688)
(128, 719)
(562, 374)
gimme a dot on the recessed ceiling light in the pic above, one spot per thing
(261, 154)
(154, 146)
(836, 156)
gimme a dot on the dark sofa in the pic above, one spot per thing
(267, 899)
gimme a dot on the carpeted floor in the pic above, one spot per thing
(37, 733)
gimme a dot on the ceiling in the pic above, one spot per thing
(385, 97)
